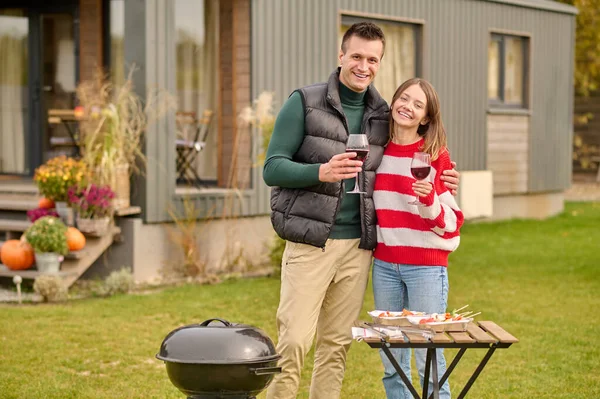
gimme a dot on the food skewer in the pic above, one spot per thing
(459, 309)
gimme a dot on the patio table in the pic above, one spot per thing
(479, 335)
(68, 119)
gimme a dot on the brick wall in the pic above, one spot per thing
(90, 37)
(234, 168)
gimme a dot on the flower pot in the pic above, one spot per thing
(65, 213)
(48, 262)
(97, 226)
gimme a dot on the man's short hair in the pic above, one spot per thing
(364, 30)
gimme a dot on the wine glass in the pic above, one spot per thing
(359, 144)
(420, 167)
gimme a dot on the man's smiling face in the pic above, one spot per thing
(360, 62)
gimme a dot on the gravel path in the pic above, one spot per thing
(583, 191)
(10, 296)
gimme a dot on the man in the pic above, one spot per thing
(330, 234)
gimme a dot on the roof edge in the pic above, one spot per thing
(541, 5)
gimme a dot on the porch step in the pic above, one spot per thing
(75, 263)
(19, 187)
(18, 202)
(13, 228)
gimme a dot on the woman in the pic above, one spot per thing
(411, 257)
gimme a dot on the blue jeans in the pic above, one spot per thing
(418, 288)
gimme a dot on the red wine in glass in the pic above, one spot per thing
(360, 154)
(420, 172)
(359, 144)
(420, 167)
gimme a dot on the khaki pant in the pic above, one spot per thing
(322, 292)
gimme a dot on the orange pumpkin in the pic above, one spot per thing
(17, 255)
(75, 240)
(45, 203)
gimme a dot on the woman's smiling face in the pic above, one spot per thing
(410, 109)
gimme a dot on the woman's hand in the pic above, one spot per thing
(422, 188)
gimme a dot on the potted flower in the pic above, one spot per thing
(54, 179)
(47, 237)
(94, 207)
(35, 214)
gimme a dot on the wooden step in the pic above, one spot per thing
(18, 202)
(19, 187)
(94, 248)
(75, 263)
(14, 225)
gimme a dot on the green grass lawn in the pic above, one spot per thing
(539, 280)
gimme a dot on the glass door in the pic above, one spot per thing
(15, 106)
(38, 72)
(58, 81)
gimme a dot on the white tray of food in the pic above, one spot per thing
(441, 322)
(389, 318)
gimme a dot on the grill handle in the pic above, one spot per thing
(265, 370)
(207, 322)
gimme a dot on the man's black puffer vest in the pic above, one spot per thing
(306, 215)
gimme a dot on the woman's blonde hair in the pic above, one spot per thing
(433, 130)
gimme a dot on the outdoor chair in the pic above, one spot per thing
(189, 144)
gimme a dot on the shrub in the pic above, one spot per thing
(51, 288)
(119, 282)
(276, 251)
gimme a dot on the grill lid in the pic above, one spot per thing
(224, 343)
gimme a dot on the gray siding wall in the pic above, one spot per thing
(295, 43)
(148, 46)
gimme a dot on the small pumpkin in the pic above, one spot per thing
(17, 255)
(75, 239)
(46, 203)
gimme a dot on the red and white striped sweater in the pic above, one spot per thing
(411, 234)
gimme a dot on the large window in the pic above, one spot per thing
(507, 71)
(402, 53)
(197, 79)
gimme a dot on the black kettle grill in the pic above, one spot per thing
(224, 360)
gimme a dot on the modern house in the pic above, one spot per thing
(503, 70)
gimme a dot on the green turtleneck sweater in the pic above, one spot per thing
(288, 134)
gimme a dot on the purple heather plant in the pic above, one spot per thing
(35, 214)
(92, 201)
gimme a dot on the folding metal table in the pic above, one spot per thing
(481, 335)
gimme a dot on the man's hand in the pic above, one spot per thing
(451, 179)
(340, 167)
